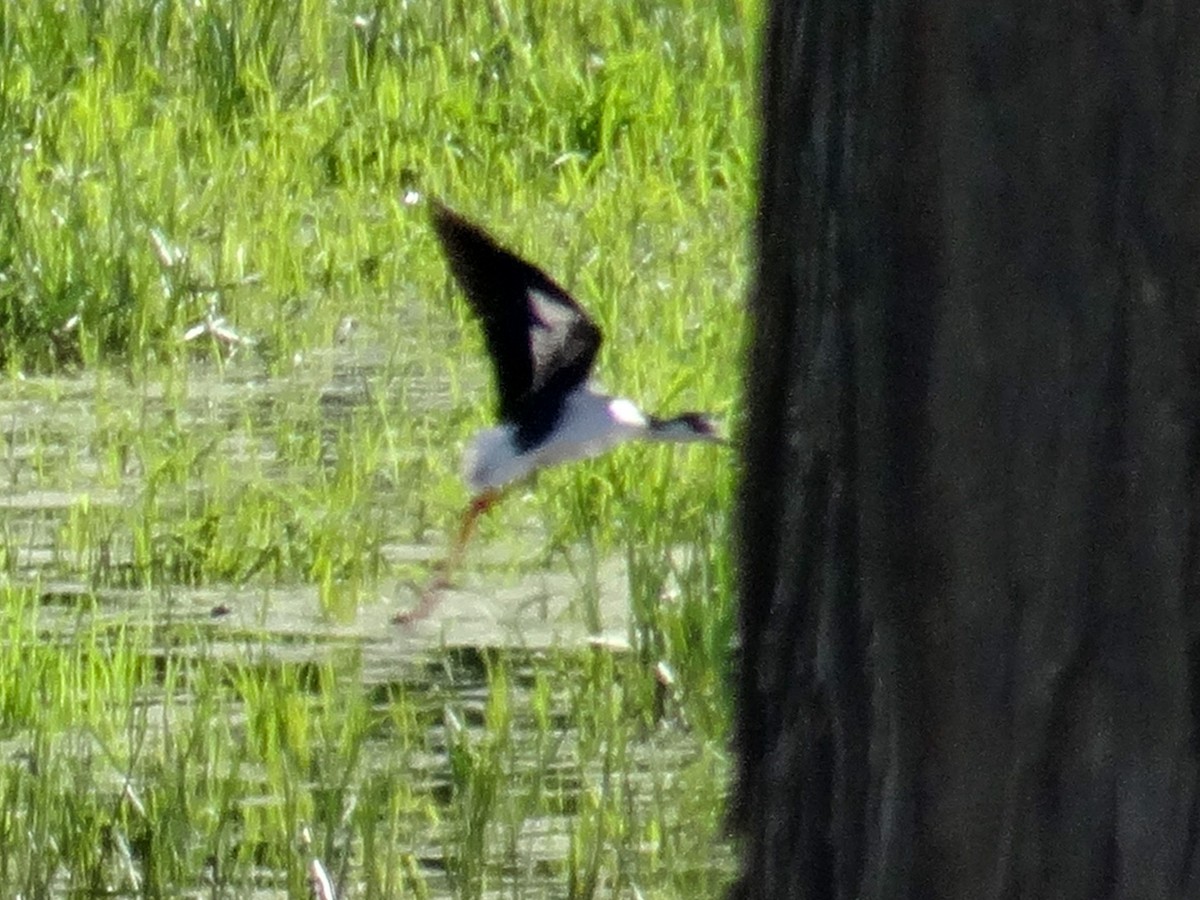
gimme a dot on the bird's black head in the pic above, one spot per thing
(686, 427)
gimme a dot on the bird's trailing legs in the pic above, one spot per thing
(431, 593)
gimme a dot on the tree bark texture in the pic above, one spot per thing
(968, 530)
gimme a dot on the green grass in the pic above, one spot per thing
(168, 163)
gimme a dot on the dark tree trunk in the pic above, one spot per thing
(969, 530)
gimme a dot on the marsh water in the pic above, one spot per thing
(98, 470)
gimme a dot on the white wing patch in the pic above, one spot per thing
(551, 313)
(553, 320)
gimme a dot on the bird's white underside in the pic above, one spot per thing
(591, 423)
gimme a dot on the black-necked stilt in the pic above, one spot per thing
(542, 346)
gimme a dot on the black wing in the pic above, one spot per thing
(541, 342)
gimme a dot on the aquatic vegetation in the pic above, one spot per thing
(237, 385)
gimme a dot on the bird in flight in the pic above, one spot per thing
(542, 346)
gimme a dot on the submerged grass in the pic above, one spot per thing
(238, 384)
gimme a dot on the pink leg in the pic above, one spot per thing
(431, 594)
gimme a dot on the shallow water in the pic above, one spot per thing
(75, 449)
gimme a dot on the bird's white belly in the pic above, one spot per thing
(491, 459)
(590, 425)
